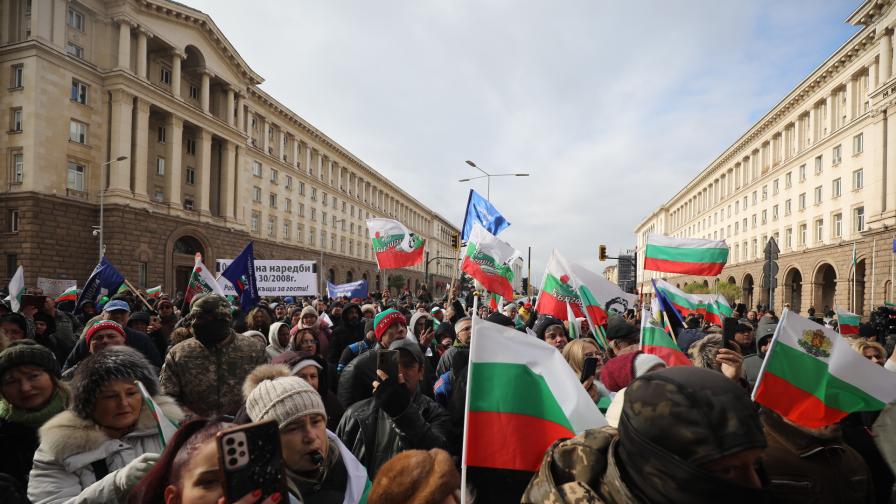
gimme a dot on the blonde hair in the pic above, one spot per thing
(860, 344)
(574, 353)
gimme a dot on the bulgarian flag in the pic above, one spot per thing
(122, 288)
(393, 244)
(70, 294)
(713, 307)
(689, 256)
(572, 321)
(201, 282)
(154, 292)
(486, 260)
(557, 290)
(848, 322)
(164, 426)
(521, 397)
(656, 341)
(17, 289)
(813, 377)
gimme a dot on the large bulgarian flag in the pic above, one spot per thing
(486, 260)
(813, 377)
(713, 307)
(70, 294)
(655, 340)
(521, 397)
(201, 282)
(688, 256)
(848, 323)
(393, 244)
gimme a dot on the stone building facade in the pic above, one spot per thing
(818, 174)
(211, 160)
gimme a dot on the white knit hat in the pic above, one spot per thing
(284, 400)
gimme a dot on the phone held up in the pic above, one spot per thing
(249, 458)
(729, 327)
(589, 368)
(387, 362)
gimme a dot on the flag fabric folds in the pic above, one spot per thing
(70, 294)
(713, 307)
(165, 427)
(241, 273)
(485, 260)
(17, 289)
(521, 397)
(104, 279)
(201, 282)
(394, 245)
(154, 292)
(813, 377)
(848, 323)
(688, 256)
(655, 340)
(482, 211)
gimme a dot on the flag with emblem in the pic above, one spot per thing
(394, 245)
(201, 282)
(486, 261)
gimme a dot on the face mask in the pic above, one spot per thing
(211, 332)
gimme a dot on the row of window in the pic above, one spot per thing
(286, 227)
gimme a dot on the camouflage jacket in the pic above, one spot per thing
(209, 381)
(580, 470)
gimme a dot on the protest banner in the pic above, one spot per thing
(53, 287)
(351, 290)
(277, 277)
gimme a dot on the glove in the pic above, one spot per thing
(392, 397)
(128, 476)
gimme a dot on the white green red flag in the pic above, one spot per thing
(154, 292)
(17, 289)
(572, 322)
(688, 256)
(70, 294)
(164, 426)
(713, 307)
(848, 323)
(201, 282)
(486, 260)
(394, 245)
(655, 340)
(813, 377)
(521, 397)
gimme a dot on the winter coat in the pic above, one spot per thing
(375, 438)
(63, 470)
(274, 347)
(446, 362)
(135, 339)
(352, 480)
(357, 377)
(57, 344)
(804, 468)
(208, 381)
(345, 334)
(19, 443)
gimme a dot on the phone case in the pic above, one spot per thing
(250, 459)
(387, 362)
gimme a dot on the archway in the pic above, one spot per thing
(793, 289)
(748, 290)
(182, 257)
(857, 286)
(706, 283)
(349, 276)
(331, 276)
(732, 280)
(825, 282)
(763, 290)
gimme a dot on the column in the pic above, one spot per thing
(886, 56)
(230, 105)
(204, 90)
(142, 36)
(204, 182)
(889, 181)
(249, 117)
(850, 98)
(124, 43)
(813, 125)
(141, 149)
(120, 142)
(239, 113)
(308, 158)
(831, 120)
(295, 150)
(228, 181)
(263, 132)
(173, 156)
(284, 140)
(872, 76)
(176, 58)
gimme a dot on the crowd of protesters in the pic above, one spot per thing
(74, 425)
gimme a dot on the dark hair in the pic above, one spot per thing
(17, 319)
(170, 467)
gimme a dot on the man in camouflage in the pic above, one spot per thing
(205, 373)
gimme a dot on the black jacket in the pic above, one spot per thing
(374, 437)
(135, 339)
(19, 443)
(355, 382)
(344, 335)
(446, 362)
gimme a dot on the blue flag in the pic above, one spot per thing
(350, 290)
(104, 280)
(241, 273)
(671, 314)
(482, 211)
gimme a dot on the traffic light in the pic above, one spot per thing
(602, 253)
(526, 284)
(454, 238)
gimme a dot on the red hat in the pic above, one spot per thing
(385, 319)
(619, 371)
(101, 325)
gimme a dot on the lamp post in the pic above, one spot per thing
(322, 245)
(488, 178)
(99, 229)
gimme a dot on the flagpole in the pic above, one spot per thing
(135, 291)
(471, 360)
(771, 347)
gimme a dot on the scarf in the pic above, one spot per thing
(34, 419)
(305, 481)
(460, 344)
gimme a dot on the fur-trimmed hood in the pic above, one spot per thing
(67, 434)
(262, 373)
(703, 352)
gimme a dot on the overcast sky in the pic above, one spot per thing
(612, 106)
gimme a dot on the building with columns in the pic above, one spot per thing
(212, 161)
(818, 174)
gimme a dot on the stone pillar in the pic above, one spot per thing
(230, 105)
(173, 156)
(872, 77)
(832, 117)
(120, 142)
(308, 150)
(240, 115)
(228, 180)
(141, 150)
(204, 178)
(249, 117)
(295, 150)
(176, 58)
(281, 151)
(204, 90)
(851, 107)
(124, 43)
(142, 36)
(886, 56)
(813, 125)
(890, 139)
(263, 131)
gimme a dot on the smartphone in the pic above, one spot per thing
(729, 327)
(387, 362)
(33, 300)
(589, 368)
(249, 459)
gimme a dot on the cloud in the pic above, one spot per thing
(611, 106)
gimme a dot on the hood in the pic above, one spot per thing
(344, 315)
(273, 340)
(413, 323)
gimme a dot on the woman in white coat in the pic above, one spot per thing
(107, 440)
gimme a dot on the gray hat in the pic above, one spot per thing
(28, 353)
(272, 394)
(211, 304)
(112, 363)
(408, 345)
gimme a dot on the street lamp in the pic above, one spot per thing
(322, 245)
(99, 230)
(488, 178)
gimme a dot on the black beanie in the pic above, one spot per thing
(28, 353)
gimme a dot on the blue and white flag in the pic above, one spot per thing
(241, 273)
(482, 211)
(350, 290)
(104, 280)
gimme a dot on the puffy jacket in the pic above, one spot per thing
(375, 438)
(63, 465)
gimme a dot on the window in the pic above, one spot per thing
(287, 204)
(256, 194)
(13, 221)
(273, 200)
(15, 119)
(323, 198)
(288, 182)
(274, 176)
(301, 209)
(802, 201)
(300, 232)
(79, 92)
(788, 180)
(858, 219)
(287, 226)
(301, 188)
(764, 216)
(74, 50)
(75, 19)
(754, 198)
(836, 155)
(188, 204)
(858, 144)
(858, 179)
(272, 226)
(323, 239)
(764, 192)
(142, 269)
(191, 146)
(165, 75)
(802, 234)
(836, 188)
(323, 218)
(17, 77)
(818, 195)
(190, 175)
(313, 213)
(311, 234)
(77, 132)
(775, 187)
(161, 134)
(159, 195)
(160, 166)
(754, 221)
(253, 223)
(194, 92)
(256, 168)
(775, 213)
(313, 194)
(788, 238)
(837, 226)
(819, 230)
(75, 180)
(802, 173)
